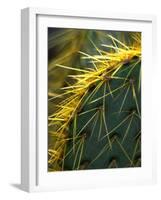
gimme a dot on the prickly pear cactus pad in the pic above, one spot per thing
(94, 99)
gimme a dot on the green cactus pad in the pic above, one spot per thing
(95, 120)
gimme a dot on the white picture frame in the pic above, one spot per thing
(34, 176)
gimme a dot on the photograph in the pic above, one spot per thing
(94, 99)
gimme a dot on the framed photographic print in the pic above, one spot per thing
(86, 107)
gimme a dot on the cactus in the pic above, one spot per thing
(97, 120)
